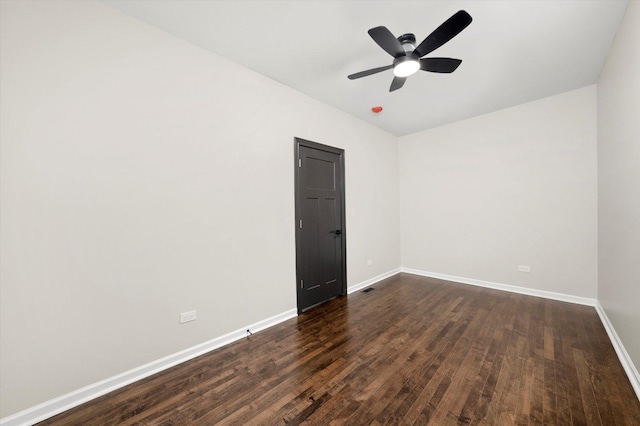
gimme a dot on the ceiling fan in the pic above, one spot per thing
(407, 57)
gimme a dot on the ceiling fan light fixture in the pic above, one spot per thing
(406, 66)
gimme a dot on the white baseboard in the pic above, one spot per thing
(623, 356)
(505, 287)
(371, 281)
(73, 399)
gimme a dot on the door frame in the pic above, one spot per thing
(297, 143)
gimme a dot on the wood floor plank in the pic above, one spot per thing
(414, 351)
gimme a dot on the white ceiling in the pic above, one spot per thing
(513, 51)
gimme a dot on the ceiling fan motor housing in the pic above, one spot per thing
(408, 42)
(408, 64)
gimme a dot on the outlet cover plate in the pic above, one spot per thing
(188, 316)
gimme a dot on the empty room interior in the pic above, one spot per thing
(246, 212)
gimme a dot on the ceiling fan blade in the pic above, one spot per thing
(442, 65)
(369, 72)
(445, 32)
(397, 83)
(387, 41)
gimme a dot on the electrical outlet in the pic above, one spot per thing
(524, 268)
(188, 316)
(369, 262)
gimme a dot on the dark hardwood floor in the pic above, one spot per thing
(413, 351)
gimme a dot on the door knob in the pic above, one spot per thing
(338, 231)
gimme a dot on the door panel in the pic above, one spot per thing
(320, 234)
(319, 173)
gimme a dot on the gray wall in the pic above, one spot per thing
(619, 183)
(515, 187)
(143, 177)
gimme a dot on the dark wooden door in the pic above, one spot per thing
(320, 217)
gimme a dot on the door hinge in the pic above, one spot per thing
(301, 283)
(299, 162)
(300, 223)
